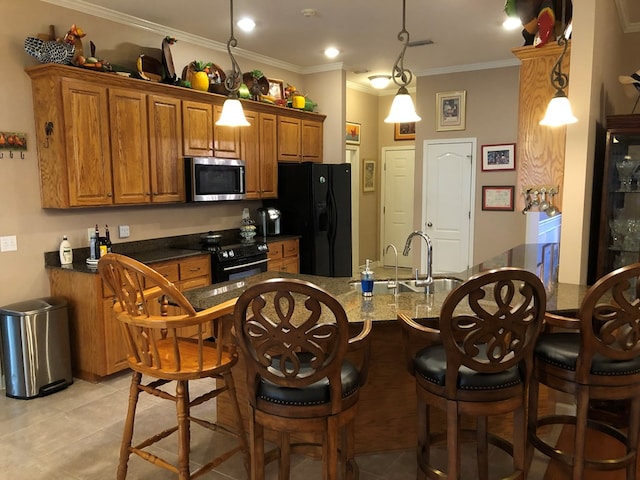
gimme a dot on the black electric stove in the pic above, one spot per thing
(232, 259)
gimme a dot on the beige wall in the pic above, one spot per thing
(363, 108)
(491, 118)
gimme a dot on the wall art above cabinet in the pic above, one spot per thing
(120, 141)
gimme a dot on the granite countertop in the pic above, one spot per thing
(561, 297)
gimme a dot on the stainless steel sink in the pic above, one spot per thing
(441, 284)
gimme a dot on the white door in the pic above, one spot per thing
(352, 156)
(397, 202)
(448, 183)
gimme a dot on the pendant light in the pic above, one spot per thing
(559, 109)
(402, 108)
(232, 113)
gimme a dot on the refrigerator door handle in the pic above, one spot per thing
(333, 222)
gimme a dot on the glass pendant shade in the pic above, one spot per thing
(558, 112)
(402, 109)
(232, 114)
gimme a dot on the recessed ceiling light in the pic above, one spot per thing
(309, 12)
(246, 24)
(332, 52)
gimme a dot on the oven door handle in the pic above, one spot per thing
(244, 265)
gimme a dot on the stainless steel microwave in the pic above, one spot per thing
(210, 179)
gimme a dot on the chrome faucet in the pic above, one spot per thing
(393, 283)
(428, 282)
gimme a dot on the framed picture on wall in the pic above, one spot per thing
(499, 157)
(499, 198)
(450, 110)
(405, 131)
(352, 133)
(369, 176)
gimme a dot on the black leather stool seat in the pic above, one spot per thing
(431, 364)
(315, 394)
(561, 350)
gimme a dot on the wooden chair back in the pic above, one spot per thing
(610, 320)
(154, 313)
(491, 322)
(293, 334)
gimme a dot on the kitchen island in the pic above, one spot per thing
(387, 417)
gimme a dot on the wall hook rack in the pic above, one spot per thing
(48, 131)
(540, 197)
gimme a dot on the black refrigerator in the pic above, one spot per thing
(315, 202)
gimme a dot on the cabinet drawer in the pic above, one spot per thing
(194, 283)
(167, 270)
(275, 251)
(290, 248)
(195, 267)
(290, 265)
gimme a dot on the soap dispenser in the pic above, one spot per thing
(66, 253)
(366, 279)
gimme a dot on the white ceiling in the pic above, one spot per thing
(467, 34)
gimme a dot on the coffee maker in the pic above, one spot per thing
(269, 221)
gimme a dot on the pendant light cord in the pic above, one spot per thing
(559, 79)
(234, 79)
(402, 76)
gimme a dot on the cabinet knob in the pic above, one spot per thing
(109, 194)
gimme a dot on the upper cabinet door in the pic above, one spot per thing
(165, 149)
(312, 140)
(129, 146)
(289, 145)
(197, 123)
(226, 140)
(88, 155)
(268, 156)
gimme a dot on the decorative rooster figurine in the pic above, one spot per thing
(538, 17)
(56, 51)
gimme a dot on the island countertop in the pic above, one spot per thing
(561, 297)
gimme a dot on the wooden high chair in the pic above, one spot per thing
(182, 347)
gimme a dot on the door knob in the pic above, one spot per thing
(429, 224)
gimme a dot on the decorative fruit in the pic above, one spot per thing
(243, 91)
(200, 77)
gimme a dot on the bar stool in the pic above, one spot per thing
(477, 363)
(157, 348)
(293, 337)
(595, 357)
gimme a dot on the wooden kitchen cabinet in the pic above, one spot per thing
(165, 149)
(259, 150)
(74, 152)
(197, 128)
(97, 344)
(130, 153)
(145, 171)
(106, 140)
(299, 140)
(284, 256)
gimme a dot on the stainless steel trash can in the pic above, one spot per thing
(36, 357)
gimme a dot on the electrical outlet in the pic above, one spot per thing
(123, 231)
(8, 243)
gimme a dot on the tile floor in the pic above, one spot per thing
(74, 434)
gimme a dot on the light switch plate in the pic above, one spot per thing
(8, 243)
(123, 231)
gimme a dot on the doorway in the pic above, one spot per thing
(448, 203)
(352, 156)
(397, 199)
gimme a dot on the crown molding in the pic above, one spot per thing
(468, 67)
(628, 26)
(135, 22)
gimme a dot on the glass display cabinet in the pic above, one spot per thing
(619, 238)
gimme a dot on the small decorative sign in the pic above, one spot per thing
(13, 141)
(498, 198)
(499, 157)
(352, 133)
